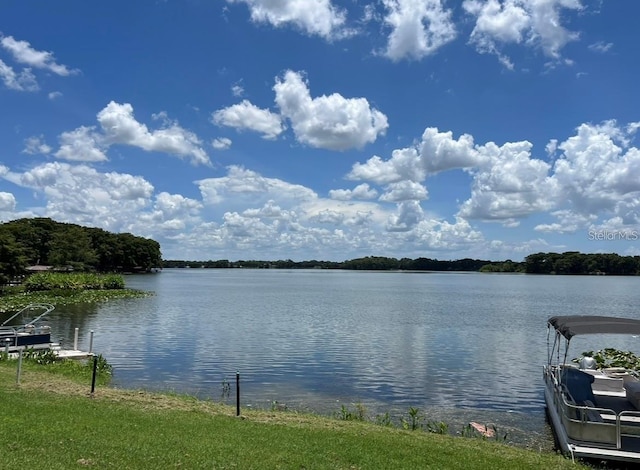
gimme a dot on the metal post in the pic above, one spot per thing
(91, 341)
(237, 393)
(6, 345)
(75, 339)
(93, 378)
(19, 367)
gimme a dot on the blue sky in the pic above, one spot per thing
(325, 129)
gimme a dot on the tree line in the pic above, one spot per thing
(62, 246)
(574, 262)
(370, 263)
(571, 262)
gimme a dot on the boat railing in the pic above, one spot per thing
(583, 422)
(6, 331)
(28, 329)
(44, 308)
(589, 423)
(628, 425)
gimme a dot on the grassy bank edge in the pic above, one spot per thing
(136, 429)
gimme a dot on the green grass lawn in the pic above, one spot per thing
(50, 421)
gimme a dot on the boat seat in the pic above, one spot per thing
(592, 415)
(587, 414)
(578, 383)
(604, 382)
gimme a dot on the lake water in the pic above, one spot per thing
(460, 346)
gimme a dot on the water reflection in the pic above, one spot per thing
(65, 320)
(459, 346)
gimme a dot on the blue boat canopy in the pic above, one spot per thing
(572, 325)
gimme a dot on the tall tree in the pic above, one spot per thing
(70, 245)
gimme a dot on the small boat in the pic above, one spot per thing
(594, 413)
(17, 332)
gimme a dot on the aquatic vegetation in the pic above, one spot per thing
(611, 357)
(437, 427)
(384, 419)
(276, 406)
(359, 414)
(18, 300)
(72, 281)
(415, 419)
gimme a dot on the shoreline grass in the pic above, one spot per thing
(50, 420)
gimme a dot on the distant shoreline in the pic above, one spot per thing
(571, 262)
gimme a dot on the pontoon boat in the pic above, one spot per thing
(17, 332)
(595, 413)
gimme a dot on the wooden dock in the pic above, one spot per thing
(72, 354)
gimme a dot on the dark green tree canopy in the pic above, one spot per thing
(573, 262)
(42, 241)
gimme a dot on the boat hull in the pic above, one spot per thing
(16, 342)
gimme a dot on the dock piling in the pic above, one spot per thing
(19, 367)
(237, 393)
(93, 378)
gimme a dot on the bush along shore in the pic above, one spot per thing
(65, 289)
(51, 419)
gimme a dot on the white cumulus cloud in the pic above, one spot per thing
(36, 145)
(313, 17)
(407, 216)
(118, 126)
(599, 172)
(221, 143)
(23, 53)
(535, 23)
(83, 144)
(245, 115)
(80, 194)
(418, 28)
(23, 81)
(404, 191)
(437, 151)
(507, 182)
(331, 122)
(510, 184)
(7, 202)
(593, 178)
(241, 184)
(362, 191)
